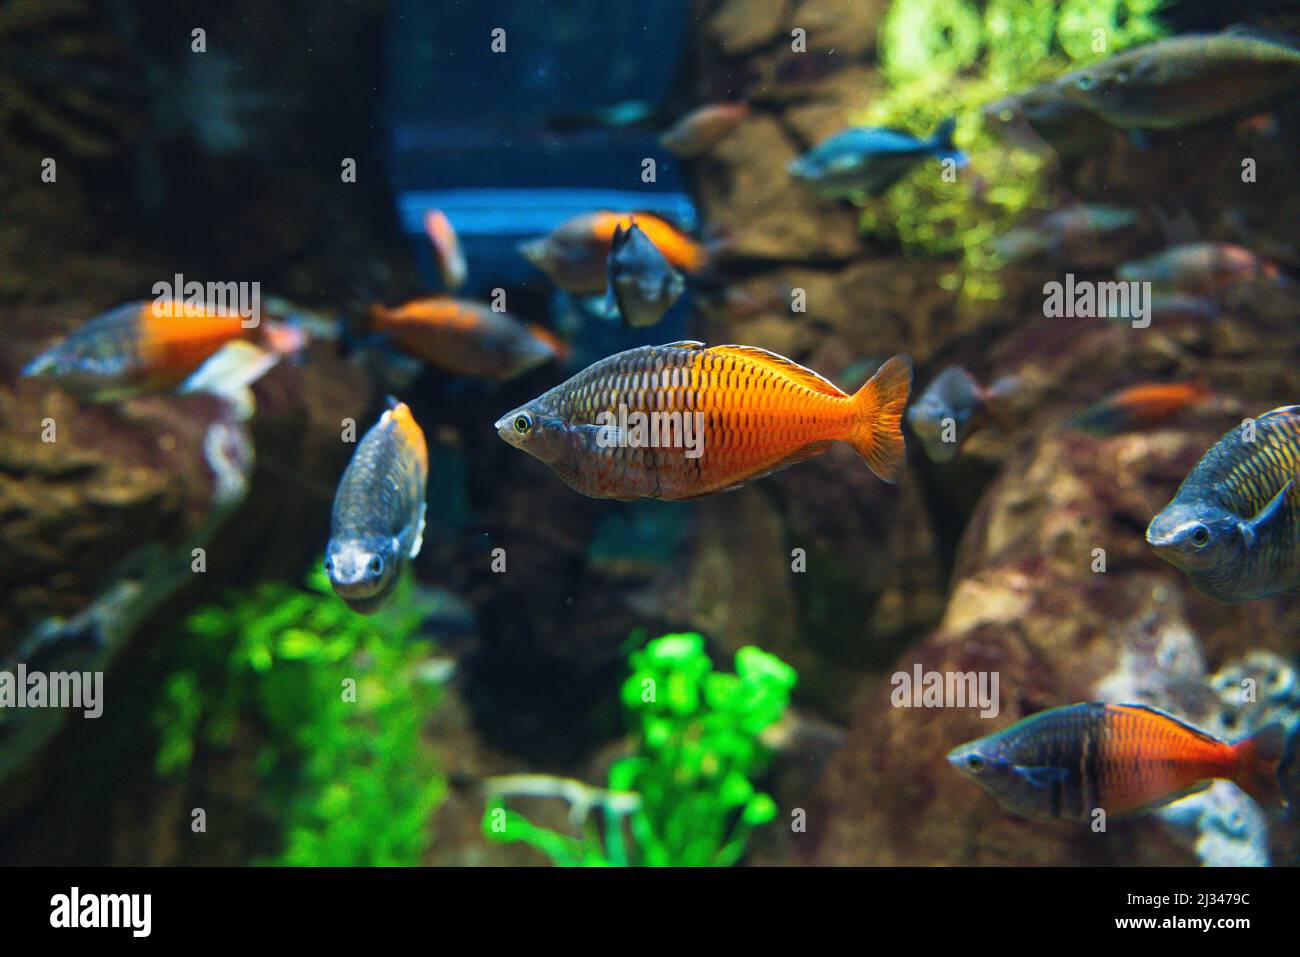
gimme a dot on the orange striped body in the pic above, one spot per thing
(575, 254)
(175, 338)
(462, 337)
(682, 421)
(1076, 761)
(1146, 757)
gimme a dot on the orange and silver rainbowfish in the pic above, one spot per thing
(1141, 406)
(1119, 758)
(703, 128)
(378, 521)
(681, 421)
(466, 338)
(446, 249)
(155, 345)
(574, 255)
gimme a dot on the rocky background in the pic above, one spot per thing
(983, 564)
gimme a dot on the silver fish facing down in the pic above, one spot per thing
(378, 520)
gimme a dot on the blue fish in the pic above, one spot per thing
(1234, 525)
(867, 160)
(378, 520)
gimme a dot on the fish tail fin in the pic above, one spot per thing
(558, 346)
(942, 135)
(1259, 760)
(878, 411)
(284, 338)
(941, 143)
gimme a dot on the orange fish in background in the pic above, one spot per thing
(574, 255)
(154, 345)
(683, 420)
(446, 249)
(1120, 758)
(465, 338)
(1141, 406)
(702, 129)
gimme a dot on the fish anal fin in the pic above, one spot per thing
(787, 368)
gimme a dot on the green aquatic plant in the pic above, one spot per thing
(338, 702)
(946, 58)
(686, 794)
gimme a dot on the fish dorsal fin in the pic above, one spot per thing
(1281, 411)
(784, 367)
(1187, 726)
(684, 344)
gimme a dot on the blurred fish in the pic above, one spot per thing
(378, 520)
(446, 249)
(1083, 234)
(1261, 124)
(1204, 267)
(151, 346)
(1141, 406)
(1043, 118)
(1121, 758)
(1234, 525)
(1185, 79)
(643, 285)
(704, 128)
(574, 255)
(1169, 307)
(867, 160)
(952, 407)
(465, 338)
(681, 421)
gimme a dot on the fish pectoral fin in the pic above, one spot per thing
(1270, 514)
(419, 533)
(1041, 777)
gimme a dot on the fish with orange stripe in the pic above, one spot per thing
(1141, 406)
(683, 420)
(466, 338)
(154, 345)
(377, 524)
(1068, 762)
(575, 253)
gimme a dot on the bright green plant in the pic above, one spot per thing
(686, 795)
(337, 701)
(951, 58)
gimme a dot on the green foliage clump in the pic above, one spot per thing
(951, 58)
(687, 791)
(338, 702)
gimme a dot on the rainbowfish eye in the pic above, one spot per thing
(523, 424)
(329, 566)
(376, 565)
(1005, 115)
(975, 763)
(1200, 536)
(1085, 82)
